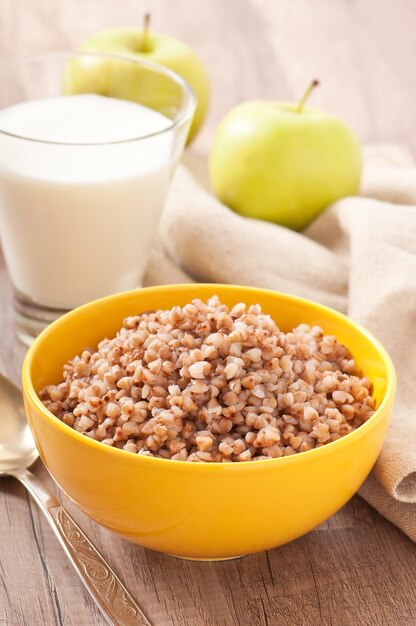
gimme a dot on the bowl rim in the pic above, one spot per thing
(29, 390)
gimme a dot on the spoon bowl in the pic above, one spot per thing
(17, 447)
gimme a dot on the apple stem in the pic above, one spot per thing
(306, 95)
(145, 43)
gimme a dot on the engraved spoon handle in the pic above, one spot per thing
(106, 589)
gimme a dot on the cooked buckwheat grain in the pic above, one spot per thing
(206, 384)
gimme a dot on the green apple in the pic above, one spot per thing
(126, 81)
(283, 162)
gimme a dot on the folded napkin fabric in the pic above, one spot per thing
(358, 257)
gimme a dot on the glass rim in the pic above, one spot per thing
(160, 69)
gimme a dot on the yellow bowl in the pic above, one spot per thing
(197, 510)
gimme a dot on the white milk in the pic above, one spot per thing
(77, 221)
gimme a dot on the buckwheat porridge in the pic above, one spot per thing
(208, 384)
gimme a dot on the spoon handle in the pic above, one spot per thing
(112, 598)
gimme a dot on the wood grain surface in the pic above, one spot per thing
(356, 569)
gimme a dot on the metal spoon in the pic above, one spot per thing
(17, 452)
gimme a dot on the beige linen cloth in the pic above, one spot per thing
(359, 257)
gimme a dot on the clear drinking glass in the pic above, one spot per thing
(77, 218)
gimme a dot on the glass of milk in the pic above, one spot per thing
(88, 144)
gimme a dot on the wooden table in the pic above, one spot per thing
(356, 569)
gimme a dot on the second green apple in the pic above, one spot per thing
(283, 162)
(113, 78)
